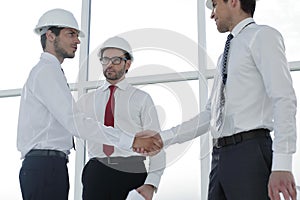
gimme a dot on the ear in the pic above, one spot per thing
(50, 36)
(127, 65)
(235, 3)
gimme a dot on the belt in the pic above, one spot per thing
(239, 137)
(120, 160)
(46, 152)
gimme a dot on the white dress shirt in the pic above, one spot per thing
(48, 117)
(259, 93)
(134, 112)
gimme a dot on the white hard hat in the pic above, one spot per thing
(209, 4)
(56, 17)
(119, 43)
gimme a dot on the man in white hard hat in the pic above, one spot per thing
(48, 117)
(252, 95)
(111, 175)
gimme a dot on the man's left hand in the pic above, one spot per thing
(282, 182)
(146, 191)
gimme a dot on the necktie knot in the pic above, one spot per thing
(112, 88)
(229, 37)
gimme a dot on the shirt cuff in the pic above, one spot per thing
(126, 141)
(153, 179)
(282, 162)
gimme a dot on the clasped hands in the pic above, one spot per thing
(147, 142)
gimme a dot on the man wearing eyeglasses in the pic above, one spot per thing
(111, 173)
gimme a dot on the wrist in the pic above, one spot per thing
(152, 187)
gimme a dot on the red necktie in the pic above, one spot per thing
(109, 118)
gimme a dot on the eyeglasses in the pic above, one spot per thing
(114, 60)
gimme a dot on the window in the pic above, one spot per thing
(164, 37)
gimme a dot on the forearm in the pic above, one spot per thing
(188, 130)
(285, 136)
(89, 129)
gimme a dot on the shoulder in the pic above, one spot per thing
(137, 95)
(43, 74)
(263, 34)
(138, 92)
(87, 97)
(266, 31)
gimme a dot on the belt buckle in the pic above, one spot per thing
(110, 162)
(216, 143)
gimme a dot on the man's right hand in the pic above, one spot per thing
(147, 142)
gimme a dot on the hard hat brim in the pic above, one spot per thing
(209, 4)
(43, 30)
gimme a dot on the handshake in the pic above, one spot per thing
(147, 142)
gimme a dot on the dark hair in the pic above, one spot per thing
(248, 6)
(56, 30)
(127, 56)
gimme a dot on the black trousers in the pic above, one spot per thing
(241, 171)
(44, 178)
(101, 181)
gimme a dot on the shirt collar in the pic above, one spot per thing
(50, 57)
(240, 26)
(123, 84)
